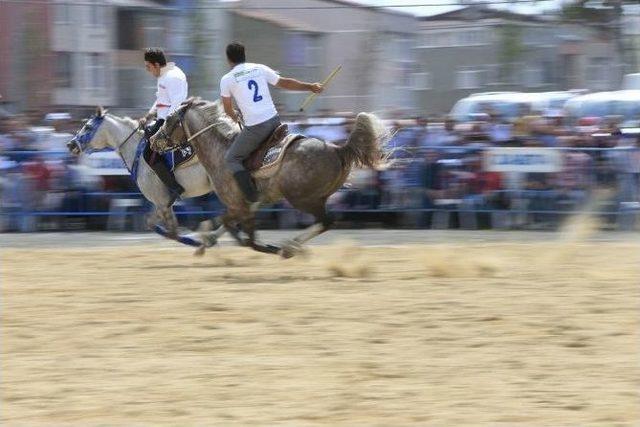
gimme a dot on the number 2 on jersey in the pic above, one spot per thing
(253, 85)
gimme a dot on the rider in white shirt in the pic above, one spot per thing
(172, 91)
(248, 84)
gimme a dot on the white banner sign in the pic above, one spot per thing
(522, 160)
(105, 163)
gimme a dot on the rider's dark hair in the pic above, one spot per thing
(235, 53)
(155, 55)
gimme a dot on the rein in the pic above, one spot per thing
(183, 124)
(201, 131)
(127, 138)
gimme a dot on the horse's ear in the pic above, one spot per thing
(100, 111)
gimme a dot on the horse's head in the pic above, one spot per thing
(91, 136)
(172, 134)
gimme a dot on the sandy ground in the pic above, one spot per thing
(491, 332)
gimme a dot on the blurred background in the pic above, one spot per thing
(460, 83)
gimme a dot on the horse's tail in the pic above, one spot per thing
(367, 143)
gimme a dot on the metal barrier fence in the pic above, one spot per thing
(539, 188)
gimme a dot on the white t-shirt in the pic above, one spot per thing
(172, 90)
(249, 85)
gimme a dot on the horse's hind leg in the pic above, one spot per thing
(168, 218)
(248, 225)
(324, 220)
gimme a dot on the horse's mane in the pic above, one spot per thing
(125, 120)
(213, 112)
(128, 120)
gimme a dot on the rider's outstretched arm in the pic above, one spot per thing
(293, 84)
(228, 108)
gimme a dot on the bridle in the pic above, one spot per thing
(85, 139)
(166, 135)
(188, 137)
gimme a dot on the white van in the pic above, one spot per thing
(631, 81)
(508, 104)
(623, 103)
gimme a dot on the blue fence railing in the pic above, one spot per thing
(615, 168)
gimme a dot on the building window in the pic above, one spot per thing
(467, 78)
(463, 37)
(444, 39)
(598, 73)
(547, 72)
(512, 73)
(61, 13)
(301, 50)
(533, 76)
(537, 36)
(131, 89)
(129, 31)
(493, 74)
(403, 74)
(471, 37)
(421, 81)
(63, 69)
(180, 35)
(96, 70)
(439, 39)
(427, 40)
(401, 49)
(154, 31)
(97, 13)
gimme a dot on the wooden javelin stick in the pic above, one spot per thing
(312, 96)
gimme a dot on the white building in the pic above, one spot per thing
(97, 46)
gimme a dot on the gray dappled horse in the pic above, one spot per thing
(305, 172)
(122, 134)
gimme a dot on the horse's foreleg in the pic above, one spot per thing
(208, 236)
(230, 224)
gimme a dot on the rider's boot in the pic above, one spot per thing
(246, 184)
(169, 179)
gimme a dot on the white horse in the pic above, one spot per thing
(122, 134)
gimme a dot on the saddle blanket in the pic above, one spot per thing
(182, 155)
(273, 153)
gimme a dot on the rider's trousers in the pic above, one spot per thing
(248, 141)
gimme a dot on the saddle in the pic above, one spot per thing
(277, 139)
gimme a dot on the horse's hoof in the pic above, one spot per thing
(208, 241)
(199, 251)
(290, 248)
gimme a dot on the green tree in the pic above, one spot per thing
(510, 50)
(608, 15)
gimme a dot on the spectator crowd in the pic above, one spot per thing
(436, 164)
